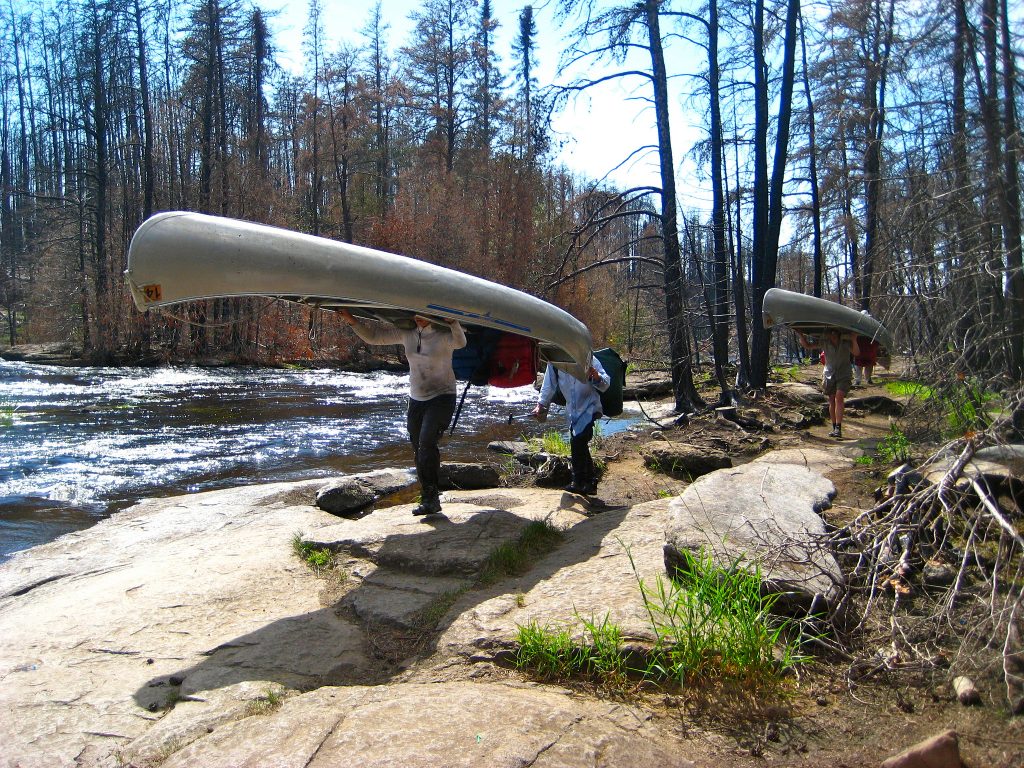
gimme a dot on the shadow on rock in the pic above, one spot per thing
(393, 605)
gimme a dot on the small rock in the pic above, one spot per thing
(938, 573)
(966, 693)
(940, 751)
(352, 496)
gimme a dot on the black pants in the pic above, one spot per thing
(427, 421)
(579, 453)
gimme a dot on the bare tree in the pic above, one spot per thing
(615, 26)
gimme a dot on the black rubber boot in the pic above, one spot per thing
(430, 503)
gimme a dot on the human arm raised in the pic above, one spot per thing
(806, 343)
(372, 333)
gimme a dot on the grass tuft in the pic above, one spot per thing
(711, 623)
(266, 704)
(513, 559)
(319, 559)
(552, 443)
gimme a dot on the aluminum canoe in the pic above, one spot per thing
(814, 316)
(181, 256)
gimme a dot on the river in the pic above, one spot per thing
(78, 444)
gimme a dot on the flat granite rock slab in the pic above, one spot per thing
(608, 553)
(167, 599)
(456, 542)
(454, 725)
(815, 459)
(763, 513)
(398, 598)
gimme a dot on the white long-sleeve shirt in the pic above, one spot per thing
(428, 350)
(582, 401)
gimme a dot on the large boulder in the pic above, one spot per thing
(683, 461)
(464, 476)
(998, 466)
(353, 496)
(797, 393)
(764, 514)
(818, 460)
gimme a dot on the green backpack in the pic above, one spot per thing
(611, 398)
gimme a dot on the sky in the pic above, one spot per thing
(597, 131)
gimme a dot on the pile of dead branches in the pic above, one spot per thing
(938, 564)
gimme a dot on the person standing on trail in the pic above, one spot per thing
(837, 379)
(865, 359)
(432, 391)
(582, 409)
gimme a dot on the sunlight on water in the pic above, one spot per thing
(85, 442)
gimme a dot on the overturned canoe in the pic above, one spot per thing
(812, 315)
(179, 256)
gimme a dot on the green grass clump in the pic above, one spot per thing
(269, 702)
(554, 654)
(714, 622)
(552, 443)
(551, 654)
(895, 448)
(910, 389)
(7, 414)
(711, 623)
(319, 559)
(512, 559)
(966, 408)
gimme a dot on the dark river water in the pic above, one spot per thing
(79, 444)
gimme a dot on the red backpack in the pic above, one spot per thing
(513, 362)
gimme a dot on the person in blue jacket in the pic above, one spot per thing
(582, 409)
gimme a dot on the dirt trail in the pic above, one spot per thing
(872, 717)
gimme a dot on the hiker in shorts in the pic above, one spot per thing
(582, 409)
(837, 378)
(432, 391)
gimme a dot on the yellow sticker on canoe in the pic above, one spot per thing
(152, 292)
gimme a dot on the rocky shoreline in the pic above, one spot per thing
(186, 631)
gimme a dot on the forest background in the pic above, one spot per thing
(862, 150)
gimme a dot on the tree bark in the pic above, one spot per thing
(686, 396)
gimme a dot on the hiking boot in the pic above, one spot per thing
(431, 506)
(573, 488)
(835, 432)
(589, 489)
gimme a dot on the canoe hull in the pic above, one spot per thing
(814, 316)
(182, 256)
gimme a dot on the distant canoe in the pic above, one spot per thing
(179, 256)
(814, 316)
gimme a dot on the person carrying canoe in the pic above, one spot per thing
(837, 378)
(432, 391)
(582, 409)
